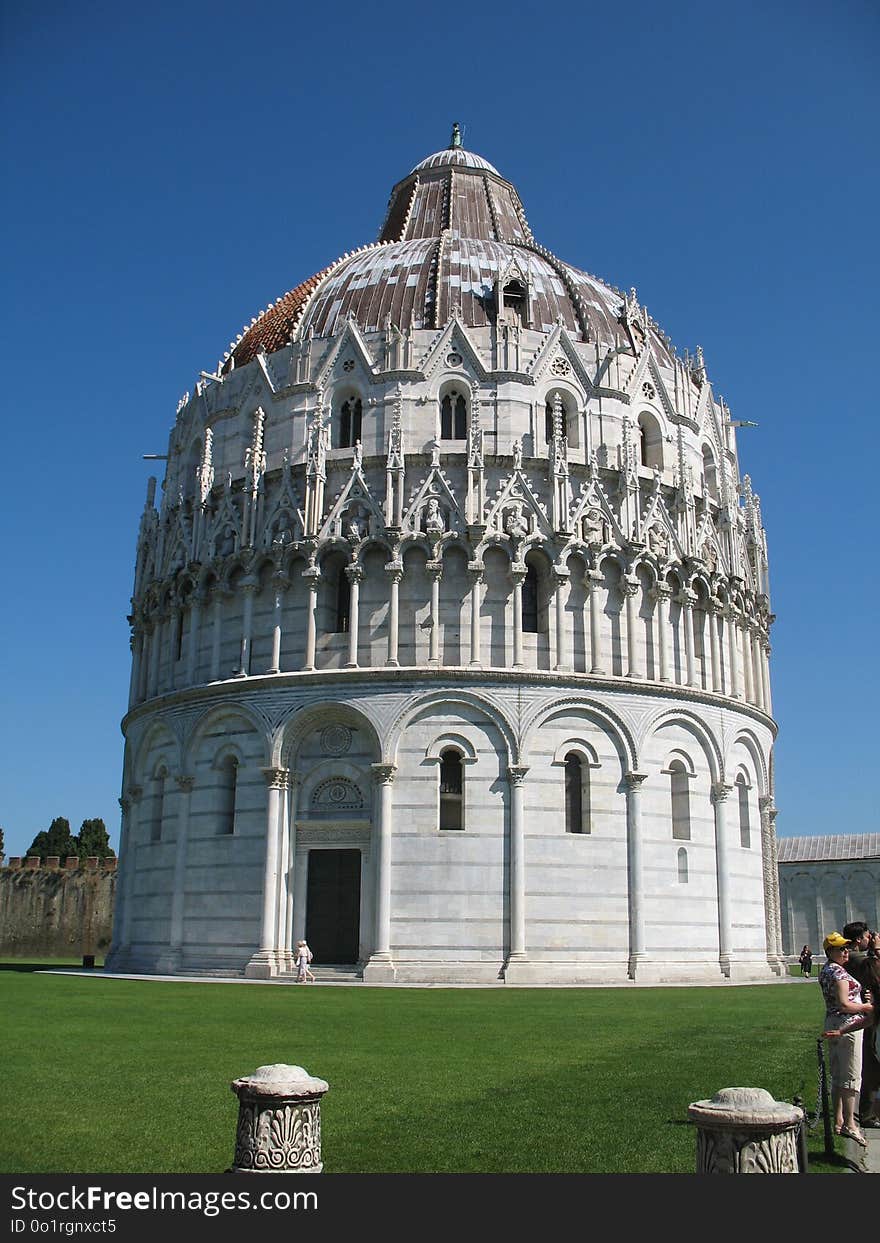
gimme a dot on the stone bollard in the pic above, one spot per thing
(279, 1122)
(745, 1131)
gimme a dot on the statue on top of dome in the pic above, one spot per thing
(455, 141)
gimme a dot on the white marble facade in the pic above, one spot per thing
(454, 574)
(824, 883)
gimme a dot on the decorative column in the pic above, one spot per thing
(560, 579)
(283, 946)
(475, 569)
(713, 613)
(121, 946)
(381, 967)
(517, 776)
(355, 576)
(289, 828)
(136, 645)
(394, 570)
(634, 865)
(720, 791)
(765, 673)
(518, 573)
(435, 573)
(279, 1122)
(146, 657)
(770, 876)
(195, 627)
(593, 581)
(280, 583)
(155, 657)
(745, 1131)
(216, 628)
(687, 600)
(249, 587)
(662, 594)
(264, 964)
(312, 576)
(746, 661)
(733, 655)
(757, 680)
(170, 961)
(630, 589)
(174, 644)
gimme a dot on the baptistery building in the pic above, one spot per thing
(450, 632)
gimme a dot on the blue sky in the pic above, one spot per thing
(173, 169)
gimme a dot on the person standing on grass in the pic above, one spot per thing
(844, 1012)
(864, 965)
(303, 958)
(806, 961)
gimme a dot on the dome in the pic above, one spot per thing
(453, 229)
(451, 634)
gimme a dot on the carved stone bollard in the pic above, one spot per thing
(279, 1122)
(745, 1131)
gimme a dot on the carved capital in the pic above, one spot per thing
(394, 570)
(629, 587)
(435, 569)
(517, 773)
(476, 570)
(560, 578)
(383, 774)
(661, 592)
(687, 598)
(720, 791)
(185, 783)
(354, 574)
(634, 780)
(276, 778)
(135, 792)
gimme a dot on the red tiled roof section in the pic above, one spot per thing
(272, 329)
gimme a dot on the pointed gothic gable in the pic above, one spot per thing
(454, 338)
(591, 510)
(285, 522)
(434, 487)
(225, 526)
(349, 339)
(646, 371)
(354, 501)
(559, 348)
(517, 491)
(659, 531)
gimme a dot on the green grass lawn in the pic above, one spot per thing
(127, 1076)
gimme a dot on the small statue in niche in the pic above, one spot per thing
(658, 541)
(434, 524)
(354, 530)
(708, 555)
(226, 543)
(594, 529)
(281, 533)
(515, 524)
(517, 455)
(357, 456)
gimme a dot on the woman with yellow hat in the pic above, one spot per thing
(843, 1010)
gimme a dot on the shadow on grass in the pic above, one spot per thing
(25, 965)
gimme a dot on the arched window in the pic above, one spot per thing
(577, 794)
(159, 783)
(682, 866)
(650, 441)
(349, 422)
(451, 790)
(343, 602)
(710, 472)
(453, 417)
(681, 808)
(515, 303)
(228, 787)
(530, 601)
(745, 824)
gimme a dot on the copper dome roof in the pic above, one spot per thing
(454, 227)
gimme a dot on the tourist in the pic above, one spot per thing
(303, 958)
(806, 961)
(864, 966)
(844, 1011)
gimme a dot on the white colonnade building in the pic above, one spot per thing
(450, 633)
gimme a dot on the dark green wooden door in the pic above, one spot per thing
(333, 905)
